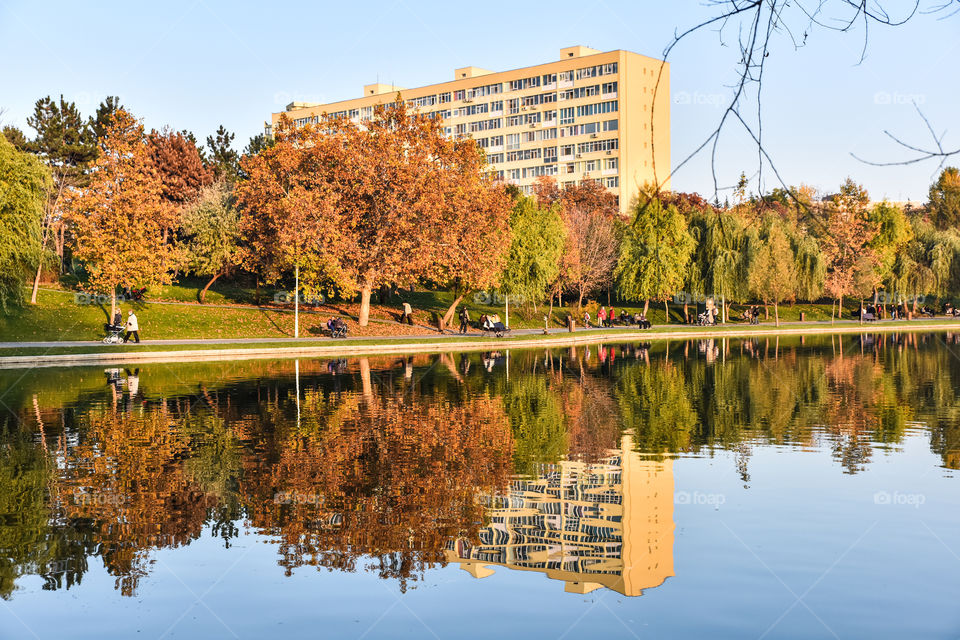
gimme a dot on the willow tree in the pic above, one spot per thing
(893, 234)
(24, 185)
(773, 271)
(536, 248)
(722, 258)
(122, 225)
(655, 251)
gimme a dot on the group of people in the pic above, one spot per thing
(608, 318)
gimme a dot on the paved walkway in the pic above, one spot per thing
(556, 331)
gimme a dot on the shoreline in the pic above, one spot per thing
(419, 344)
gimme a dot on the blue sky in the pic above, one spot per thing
(198, 64)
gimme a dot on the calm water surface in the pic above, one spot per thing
(726, 489)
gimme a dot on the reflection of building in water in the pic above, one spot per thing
(608, 524)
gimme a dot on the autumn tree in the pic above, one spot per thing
(122, 223)
(590, 253)
(179, 166)
(211, 234)
(654, 253)
(944, 203)
(773, 270)
(287, 208)
(472, 231)
(24, 185)
(390, 199)
(851, 263)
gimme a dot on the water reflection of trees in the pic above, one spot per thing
(378, 464)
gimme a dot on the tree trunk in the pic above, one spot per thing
(448, 316)
(580, 300)
(113, 304)
(203, 292)
(686, 316)
(36, 284)
(840, 307)
(776, 312)
(666, 307)
(646, 306)
(364, 316)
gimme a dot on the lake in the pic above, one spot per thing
(733, 488)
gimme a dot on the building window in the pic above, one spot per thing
(513, 141)
(459, 95)
(444, 97)
(613, 182)
(566, 115)
(611, 163)
(590, 165)
(610, 125)
(549, 78)
(566, 150)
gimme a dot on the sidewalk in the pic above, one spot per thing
(678, 331)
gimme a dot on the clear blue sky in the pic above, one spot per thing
(194, 65)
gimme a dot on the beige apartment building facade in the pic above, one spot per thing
(590, 114)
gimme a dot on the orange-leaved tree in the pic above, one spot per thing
(122, 225)
(287, 215)
(395, 201)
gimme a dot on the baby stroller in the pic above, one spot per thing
(706, 319)
(337, 328)
(114, 333)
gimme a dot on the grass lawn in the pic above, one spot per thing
(229, 314)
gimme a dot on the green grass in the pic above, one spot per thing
(228, 314)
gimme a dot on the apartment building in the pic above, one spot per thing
(590, 525)
(590, 114)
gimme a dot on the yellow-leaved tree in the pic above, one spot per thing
(122, 226)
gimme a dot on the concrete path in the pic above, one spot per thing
(675, 330)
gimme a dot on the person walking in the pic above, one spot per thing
(586, 319)
(464, 320)
(601, 316)
(611, 316)
(407, 316)
(133, 328)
